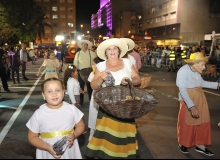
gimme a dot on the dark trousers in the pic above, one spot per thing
(23, 69)
(82, 85)
(3, 77)
(13, 71)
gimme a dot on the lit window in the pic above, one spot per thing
(172, 15)
(139, 16)
(54, 8)
(153, 10)
(55, 17)
(158, 19)
(70, 1)
(47, 31)
(70, 24)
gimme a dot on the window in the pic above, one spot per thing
(70, 9)
(140, 24)
(158, 19)
(70, 1)
(147, 22)
(62, 8)
(55, 17)
(160, 7)
(153, 10)
(54, 8)
(62, 1)
(70, 24)
(133, 25)
(62, 16)
(173, 15)
(46, 16)
(70, 16)
(46, 8)
(62, 24)
(55, 25)
(47, 31)
(139, 17)
(133, 17)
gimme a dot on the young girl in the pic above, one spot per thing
(93, 107)
(51, 64)
(72, 86)
(54, 120)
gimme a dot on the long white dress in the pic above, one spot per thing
(46, 119)
(93, 110)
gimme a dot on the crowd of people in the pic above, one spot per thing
(110, 137)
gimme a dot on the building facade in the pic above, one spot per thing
(121, 17)
(180, 22)
(61, 16)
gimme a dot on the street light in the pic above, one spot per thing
(81, 28)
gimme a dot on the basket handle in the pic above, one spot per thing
(131, 88)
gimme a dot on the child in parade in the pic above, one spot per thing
(71, 84)
(54, 120)
(51, 64)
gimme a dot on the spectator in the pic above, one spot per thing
(14, 64)
(3, 74)
(32, 56)
(23, 59)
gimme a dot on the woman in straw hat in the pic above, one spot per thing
(193, 126)
(113, 137)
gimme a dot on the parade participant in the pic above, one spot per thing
(3, 74)
(132, 52)
(23, 59)
(71, 84)
(93, 106)
(83, 59)
(193, 126)
(51, 65)
(113, 135)
(54, 120)
(14, 64)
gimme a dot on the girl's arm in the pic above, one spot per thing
(34, 139)
(79, 128)
(40, 70)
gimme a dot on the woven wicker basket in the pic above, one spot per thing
(125, 102)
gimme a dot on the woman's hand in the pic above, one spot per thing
(124, 81)
(194, 112)
(104, 75)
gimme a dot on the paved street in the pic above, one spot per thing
(156, 130)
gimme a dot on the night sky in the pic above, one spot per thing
(84, 10)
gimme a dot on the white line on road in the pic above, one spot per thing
(17, 112)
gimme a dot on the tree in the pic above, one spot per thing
(24, 19)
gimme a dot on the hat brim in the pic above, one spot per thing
(130, 43)
(205, 59)
(112, 42)
(79, 44)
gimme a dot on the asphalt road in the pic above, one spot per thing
(156, 130)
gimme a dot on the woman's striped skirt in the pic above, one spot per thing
(113, 138)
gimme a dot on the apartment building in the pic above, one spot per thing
(180, 22)
(122, 17)
(61, 15)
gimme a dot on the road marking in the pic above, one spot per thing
(212, 93)
(17, 112)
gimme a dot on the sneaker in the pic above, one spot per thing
(7, 90)
(183, 149)
(206, 151)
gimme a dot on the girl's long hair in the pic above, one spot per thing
(67, 74)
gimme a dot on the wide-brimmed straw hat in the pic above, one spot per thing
(197, 57)
(112, 42)
(79, 43)
(130, 43)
